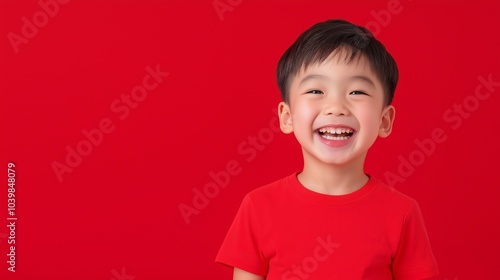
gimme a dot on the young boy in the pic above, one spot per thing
(331, 220)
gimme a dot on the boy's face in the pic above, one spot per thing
(336, 110)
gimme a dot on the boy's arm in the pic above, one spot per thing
(414, 259)
(240, 274)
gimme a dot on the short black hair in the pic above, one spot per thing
(319, 41)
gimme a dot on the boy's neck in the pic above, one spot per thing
(333, 179)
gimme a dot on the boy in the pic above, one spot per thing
(331, 220)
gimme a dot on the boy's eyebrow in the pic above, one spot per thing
(312, 77)
(364, 79)
(323, 77)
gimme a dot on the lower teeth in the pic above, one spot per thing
(329, 137)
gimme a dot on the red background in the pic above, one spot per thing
(116, 215)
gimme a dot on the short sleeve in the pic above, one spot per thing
(414, 259)
(241, 247)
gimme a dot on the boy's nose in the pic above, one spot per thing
(335, 105)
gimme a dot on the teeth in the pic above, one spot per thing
(338, 130)
(330, 137)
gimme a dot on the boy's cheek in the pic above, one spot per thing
(305, 110)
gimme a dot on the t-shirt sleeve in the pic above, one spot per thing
(414, 259)
(242, 247)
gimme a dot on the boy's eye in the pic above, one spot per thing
(357, 92)
(315, 91)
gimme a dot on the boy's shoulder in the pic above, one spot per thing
(393, 195)
(273, 188)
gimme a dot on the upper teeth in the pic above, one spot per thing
(338, 130)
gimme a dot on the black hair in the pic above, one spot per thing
(319, 41)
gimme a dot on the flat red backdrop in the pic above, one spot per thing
(101, 179)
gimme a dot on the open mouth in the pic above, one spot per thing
(339, 133)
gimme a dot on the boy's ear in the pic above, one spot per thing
(285, 118)
(386, 121)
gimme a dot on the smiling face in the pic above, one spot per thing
(336, 110)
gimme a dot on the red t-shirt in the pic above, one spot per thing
(285, 231)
